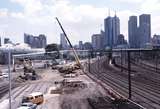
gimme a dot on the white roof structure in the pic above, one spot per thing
(19, 48)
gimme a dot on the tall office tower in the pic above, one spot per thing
(28, 39)
(43, 40)
(35, 41)
(134, 40)
(112, 30)
(144, 29)
(63, 42)
(97, 41)
(108, 40)
(81, 45)
(0, 41)
(103, 37)
(116, 29)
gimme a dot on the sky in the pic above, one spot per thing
(80, 18)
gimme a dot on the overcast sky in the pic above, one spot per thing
(80, 18)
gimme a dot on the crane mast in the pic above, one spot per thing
(75, 54)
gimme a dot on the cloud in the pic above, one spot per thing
(3, 12)
(131, 1)
(150, 6)
(79, 21)
(38, 16)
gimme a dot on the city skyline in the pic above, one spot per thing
(32, 17)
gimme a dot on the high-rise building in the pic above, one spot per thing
(121, 40)
(0, 41)
(97, 41)
(112, 30)
(116, 29)
(156, 40)
(108, 40)
(144, 29)
(134, 40)
(102, 39)
(81, 45)
(43, 40)
(63, 41)
(87, 46)
(35, 41)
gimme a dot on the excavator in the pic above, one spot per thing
(29, 72)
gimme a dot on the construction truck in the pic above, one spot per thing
(29, 72)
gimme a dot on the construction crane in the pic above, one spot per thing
(75, 54)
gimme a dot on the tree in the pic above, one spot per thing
(51, 48)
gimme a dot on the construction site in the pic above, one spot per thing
(109, 79)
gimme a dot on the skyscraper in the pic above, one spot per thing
(97, 41)
(81, 45)
(144, 29)
(35, 41)
(0, 41)
(134, 40)
(43, 40)
(63, 41)
(108, 31)
(112, 30)
(116, 29)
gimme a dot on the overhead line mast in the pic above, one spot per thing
(75, 54)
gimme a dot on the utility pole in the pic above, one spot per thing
(129, 75)
(121, 61)
(89, 62)
(9, 71)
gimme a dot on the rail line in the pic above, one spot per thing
(119, 82)
(145, 74)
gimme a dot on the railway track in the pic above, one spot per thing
(153, 69)
(143, 74)
(148, 96)
(5, 88)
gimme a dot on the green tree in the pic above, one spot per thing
(52, 48)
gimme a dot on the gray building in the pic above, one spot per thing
(43, 40)
(116, 29)
(35, 41)
(87, 46)
(156, 40)
(144, 29)
(97, 41)
(0, 42)
(112, 30)
(63, 42)
(103, 37)
(134, 40)
(121, 40)
(81, 45)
